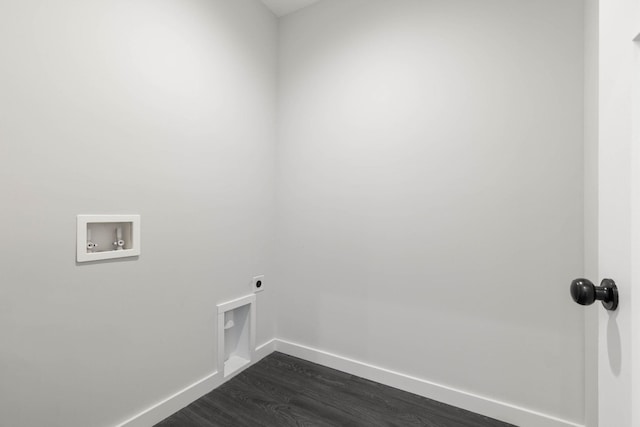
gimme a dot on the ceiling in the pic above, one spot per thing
(284, 7)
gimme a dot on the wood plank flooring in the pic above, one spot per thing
(282, 390)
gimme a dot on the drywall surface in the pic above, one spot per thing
(591, 204)
(163, 109)
(284, 7)
(430, 192)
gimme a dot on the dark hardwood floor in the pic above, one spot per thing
(282, 390)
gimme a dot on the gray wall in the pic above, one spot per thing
(430, 192)
(591, 205)
(164, 109)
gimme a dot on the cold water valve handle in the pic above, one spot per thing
(586, 293)
(119, 243)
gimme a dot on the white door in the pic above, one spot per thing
(619, 210)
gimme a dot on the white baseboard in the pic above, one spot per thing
(472, 402)
(189, 394)
(265, 349)
(174, 403)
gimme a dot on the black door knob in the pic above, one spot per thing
(586, 293)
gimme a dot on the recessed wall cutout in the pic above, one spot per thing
(101, 237)
(236, 334)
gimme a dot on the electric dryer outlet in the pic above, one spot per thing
(257, 284)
